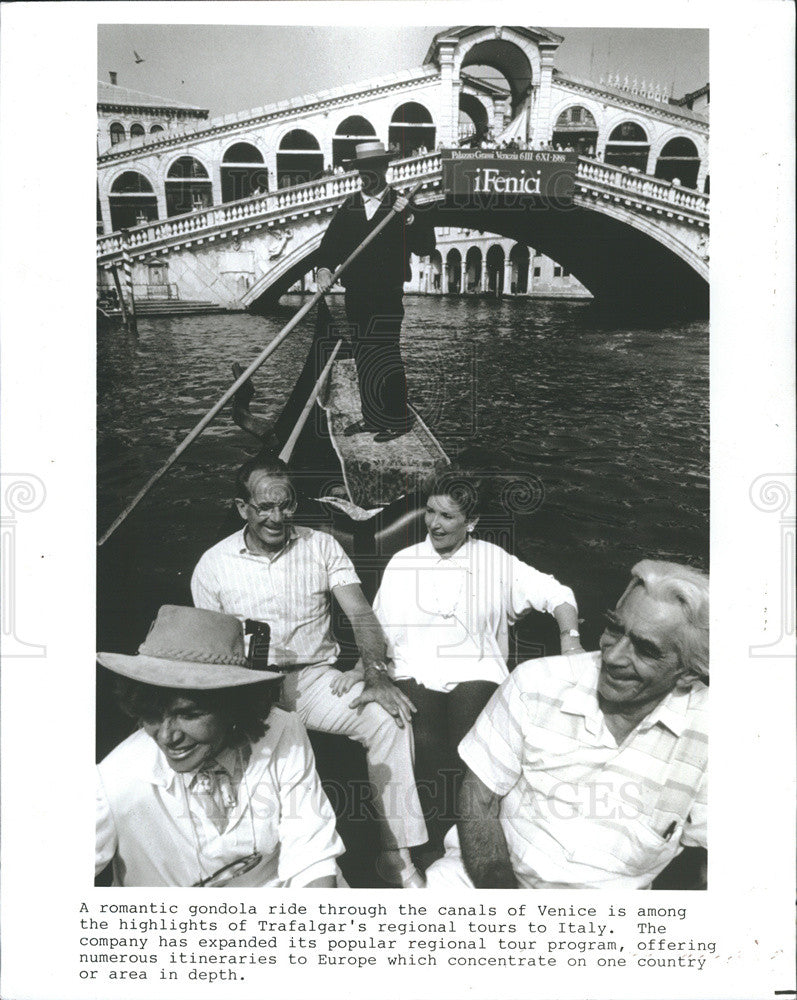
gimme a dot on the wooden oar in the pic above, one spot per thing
(290, 444)
(267, 351)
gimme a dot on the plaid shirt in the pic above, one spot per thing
(577, 810)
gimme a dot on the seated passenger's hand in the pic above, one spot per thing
(345, 681)
(381, 689)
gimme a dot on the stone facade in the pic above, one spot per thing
(123, 114)
(415, 109)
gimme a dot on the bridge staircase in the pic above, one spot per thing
(177, 307)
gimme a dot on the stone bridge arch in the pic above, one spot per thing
(512, 52)
(623, 257)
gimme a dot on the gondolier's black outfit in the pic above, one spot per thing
(374, 289)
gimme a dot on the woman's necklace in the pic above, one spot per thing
(232, 869)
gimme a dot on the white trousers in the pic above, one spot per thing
(389, 750)
(449, 872)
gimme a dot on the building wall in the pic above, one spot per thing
(544, 277)
(168, 119)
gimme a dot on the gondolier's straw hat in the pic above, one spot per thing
(370, 152)
(190, 648)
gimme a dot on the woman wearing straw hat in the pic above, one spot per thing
(374, 285)
(217, 787)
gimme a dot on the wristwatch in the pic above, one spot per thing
(571, 632)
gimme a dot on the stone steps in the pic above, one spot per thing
(176, 307)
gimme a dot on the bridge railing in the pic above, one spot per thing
(283, 200)
(218, 219)
(613, 178)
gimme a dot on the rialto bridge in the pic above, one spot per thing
(180, 203)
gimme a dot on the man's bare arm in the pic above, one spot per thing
(481, 837)
(371, 643)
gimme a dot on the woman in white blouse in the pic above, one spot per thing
(217, 787)
(446, 605)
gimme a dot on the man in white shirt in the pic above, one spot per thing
(285, 575)
(374, 283)
(589, 771)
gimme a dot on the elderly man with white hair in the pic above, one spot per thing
(589, 771)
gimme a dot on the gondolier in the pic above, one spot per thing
(374, 287)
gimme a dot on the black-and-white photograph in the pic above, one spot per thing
(403, 457)
(380, 396)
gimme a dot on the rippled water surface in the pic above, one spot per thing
(613, 419)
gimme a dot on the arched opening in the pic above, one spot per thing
(508, 60)
(188, 187)
(473, 119)
(137, 130)
(411, 129)
(299, 159)
(243, 172)
(494, 263)
(519, 257)
(351, 130)
(156, 128)
(132, 201)
(679, 160)
(628, 146)
(117, 133)
(473, 271)
(575, 129)
(436, 272)
(453, 271)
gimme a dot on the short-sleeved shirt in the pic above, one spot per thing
(579, 811)
(147, 827)
(290, 590)
(447, 620)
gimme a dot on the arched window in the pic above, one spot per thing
(473, 270)
(350, 131)
(299, 158)
(453, 271)
(679, 159)
(494, 263)
(436, 272)
(188, 186)
(628, 146)
(473, 120)
(519, 258)
(411, 128)
(132, 201)
(156, 128)
(243, 172)
(576, 128)
(118, 134)
(137, 130)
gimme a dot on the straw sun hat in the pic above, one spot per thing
(369, 153)
(190, 648)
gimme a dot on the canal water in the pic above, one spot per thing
(611, 418)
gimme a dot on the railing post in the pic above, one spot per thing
(128, 269)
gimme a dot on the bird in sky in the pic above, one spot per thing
(138, 57)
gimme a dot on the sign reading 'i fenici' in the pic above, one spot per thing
(534, 173)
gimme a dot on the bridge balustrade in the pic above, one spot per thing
(614, 178)
(592, 175)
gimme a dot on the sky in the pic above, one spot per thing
(228, 68)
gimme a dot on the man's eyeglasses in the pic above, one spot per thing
(266, 509)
